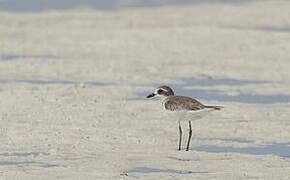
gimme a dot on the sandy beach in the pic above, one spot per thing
(74, 82)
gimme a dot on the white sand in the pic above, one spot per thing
(79, 129)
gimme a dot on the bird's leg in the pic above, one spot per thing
(180, 135)
(189, 135)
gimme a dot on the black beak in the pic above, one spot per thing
(151, 95)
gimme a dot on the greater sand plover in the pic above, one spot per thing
(183, 105)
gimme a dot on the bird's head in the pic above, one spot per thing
(162, 91)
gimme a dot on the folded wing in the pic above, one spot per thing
(179, 103)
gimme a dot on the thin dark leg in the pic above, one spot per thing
(180, 136)
(189, 135)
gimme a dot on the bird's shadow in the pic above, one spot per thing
(148, 170)
(277, 149)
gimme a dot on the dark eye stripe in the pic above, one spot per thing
(159, 91)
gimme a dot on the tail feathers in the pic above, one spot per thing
(214, 107)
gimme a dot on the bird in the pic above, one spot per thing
(183, 105)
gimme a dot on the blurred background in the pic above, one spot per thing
(42, 5)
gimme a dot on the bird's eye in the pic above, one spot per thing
(159, 91)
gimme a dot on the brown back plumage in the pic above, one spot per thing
(178, 103)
